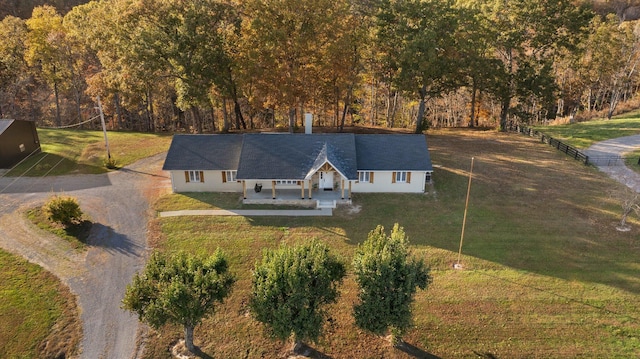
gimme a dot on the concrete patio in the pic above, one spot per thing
(294, 197)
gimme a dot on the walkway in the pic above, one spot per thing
(618, 147)
(251, 212)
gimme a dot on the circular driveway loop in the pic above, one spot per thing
(117, 204)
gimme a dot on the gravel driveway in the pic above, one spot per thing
(618, 147)
(118, 204)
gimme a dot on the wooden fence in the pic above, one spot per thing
(567, 149)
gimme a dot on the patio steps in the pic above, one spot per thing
(321, 203)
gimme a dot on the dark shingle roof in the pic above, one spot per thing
(393, 153)
(4, 124)
(204, 152)
(296, 156)
(285, 156)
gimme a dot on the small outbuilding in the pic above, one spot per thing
(18, 140)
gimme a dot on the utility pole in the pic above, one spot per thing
(104, 129)
(464, 219)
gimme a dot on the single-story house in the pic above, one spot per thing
(18, 140)
(305, 163)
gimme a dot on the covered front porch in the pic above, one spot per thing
(313, 197)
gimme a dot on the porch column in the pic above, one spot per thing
(244, 189)
(349, 190)
(273, 189)
(342, 188)
(302, 189)
(310, 186)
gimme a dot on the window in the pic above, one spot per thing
(365, 177)
(193, 176)
(229, 176)
(289, 182)
(427, 177)
(401, 177)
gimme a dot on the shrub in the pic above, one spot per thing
(110, 163)
(64, 210)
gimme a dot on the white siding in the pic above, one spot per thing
(212, 183)
(383, 182)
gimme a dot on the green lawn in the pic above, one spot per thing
(78, 151)
(35, 308)
(75, 233)
(546, 275)
(585, 134)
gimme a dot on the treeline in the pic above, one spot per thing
(209, 65)
(24, 8)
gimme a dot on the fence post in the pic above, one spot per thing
(586, 160)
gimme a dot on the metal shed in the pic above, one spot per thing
(18, 140)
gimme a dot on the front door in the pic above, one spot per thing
(326, 180)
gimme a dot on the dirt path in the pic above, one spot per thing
(118, 205)
(618, 147)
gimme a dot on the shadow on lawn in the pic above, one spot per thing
(112, 241)
(309, 352)
(200, 354)
(415, 351)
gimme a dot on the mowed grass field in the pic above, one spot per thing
(38, 315)
(82, 152)
(546, 274)
(585, 134)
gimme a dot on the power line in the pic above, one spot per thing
(21, 161)
(74, 125)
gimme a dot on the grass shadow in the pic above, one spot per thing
(75, 233)
(309, 352)
(414, 351)
(200, 354)
(112, 241)
(79, 230)
(51, 164)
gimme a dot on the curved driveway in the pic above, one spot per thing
(618, 147)
(117, 204)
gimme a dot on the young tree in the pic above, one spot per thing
(180, 289)
(290, 287)
(64, 210)
(629, 201)
(388, 278)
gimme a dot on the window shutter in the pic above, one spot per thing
(393, 177)
(408, 177)
(186, 176)
(371, 177)
(224, 177)
(201, 176)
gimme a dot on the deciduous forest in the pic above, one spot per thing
(214, 65)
